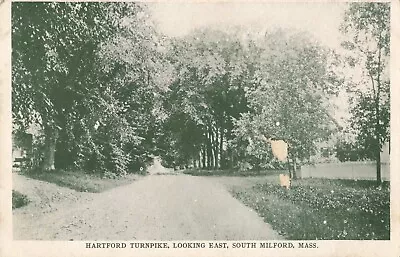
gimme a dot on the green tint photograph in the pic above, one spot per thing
(201, 121)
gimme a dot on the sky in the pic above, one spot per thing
(322, 20)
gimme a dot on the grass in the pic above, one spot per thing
(18, 199)
(81, 181)
(231, 173)
(322, 209)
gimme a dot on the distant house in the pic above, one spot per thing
(21, 148)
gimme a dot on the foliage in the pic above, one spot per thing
(228, 89)
(347, 151)
(288, 96)
(367, 25)
(110, 92)
(50, 41)
(53, 53)
(323, 209)
(206, 93)
(364, 114)
(136, 74)
(68, 78)
(18, 199)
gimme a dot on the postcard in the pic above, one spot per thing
(200, 128)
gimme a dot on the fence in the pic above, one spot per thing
(345, 170)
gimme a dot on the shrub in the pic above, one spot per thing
(18, 199)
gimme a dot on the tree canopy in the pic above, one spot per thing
(367, 26)
(62, 79)
(110, 91)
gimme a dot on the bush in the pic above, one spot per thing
(244, 166)
(18, 199)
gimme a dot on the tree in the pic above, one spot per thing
(368, 27)
(207, 92)
(289, 95)
(50, 42)
(364, 112)
(136, 76)
(58, 82)
(228, 90)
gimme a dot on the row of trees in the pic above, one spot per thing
(367, 26)
(230, 92)
(93, 104)
(109, 91)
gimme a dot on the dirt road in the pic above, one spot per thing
(159, 207)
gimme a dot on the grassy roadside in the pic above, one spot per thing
(231, 173)
(322, 209)
(81, 181)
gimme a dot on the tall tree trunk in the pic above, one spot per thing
(221, 146)
(288, 167)
(377, 125)
(377, 133)
(203, 157)
(209, 154)
(232, 160)
(51, 136)
(378, 168)
(212, 152)
(199, 158)
(377, 128)
(216, 149)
